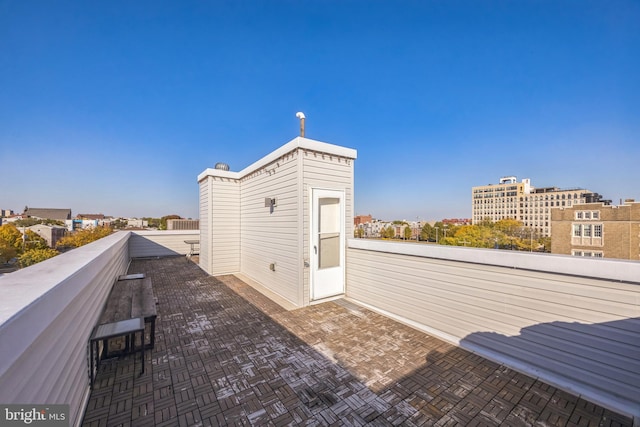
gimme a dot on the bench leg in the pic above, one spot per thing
(142, 353)
(91, 343)
(152, 338)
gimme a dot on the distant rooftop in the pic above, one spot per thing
(48, 213)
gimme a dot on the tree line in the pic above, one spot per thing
(506, 233)
(30, 248)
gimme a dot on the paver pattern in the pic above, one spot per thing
(226, 355)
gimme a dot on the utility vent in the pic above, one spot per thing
(222, 166)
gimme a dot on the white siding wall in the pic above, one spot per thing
(48, 312)
(224, 233)
(321, 170)
(161, 243)
(578, 333)
(205, 224)
(272, 237)
(241, 235)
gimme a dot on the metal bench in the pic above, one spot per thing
(123, 328)
(131, 297)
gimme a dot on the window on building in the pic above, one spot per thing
(590, 254)
(586, 230)
(579, 215)
(597, 230)
(595, 214)
(577, 230)
(587, 215)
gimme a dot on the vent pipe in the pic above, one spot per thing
(222, 166)
(300, 115)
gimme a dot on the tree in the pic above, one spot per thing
(7, 252)
(83, 237)
(11, 236)
(34, 241)
(119, 224)
(472, 235)
(428, 233)
(407, 232)
(28, 222)
(509, 226)
(388, 232)
(163, 221)
(34, 256)
(153, 222)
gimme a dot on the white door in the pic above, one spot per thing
(327, 243)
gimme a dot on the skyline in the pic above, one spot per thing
(116, 108)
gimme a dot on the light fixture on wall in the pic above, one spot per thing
(270, 203)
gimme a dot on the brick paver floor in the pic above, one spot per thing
(226, 355)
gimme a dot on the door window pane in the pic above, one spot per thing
(329, 232)
(329, 253)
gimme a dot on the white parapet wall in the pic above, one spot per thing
(572, 322)
(47, 312)
(159, 243)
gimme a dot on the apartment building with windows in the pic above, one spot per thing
(524, 202)
(597, 230)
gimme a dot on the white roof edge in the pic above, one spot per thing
(218, 172)
(298, 142)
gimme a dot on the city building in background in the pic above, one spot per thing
(50, 233)
(183, 224)
(597, 230)
(47, 213)
(361, 219)
(520, 200)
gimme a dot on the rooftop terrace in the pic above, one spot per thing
(227, 355)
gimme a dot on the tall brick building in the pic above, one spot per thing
(597, 230)
(522, 201)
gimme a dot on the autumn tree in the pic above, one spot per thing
(34, 256)
(7, 252)
(34, 241)
(82, 237)
(471, 235)
(11, 236)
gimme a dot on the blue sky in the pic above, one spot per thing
(116, 107)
